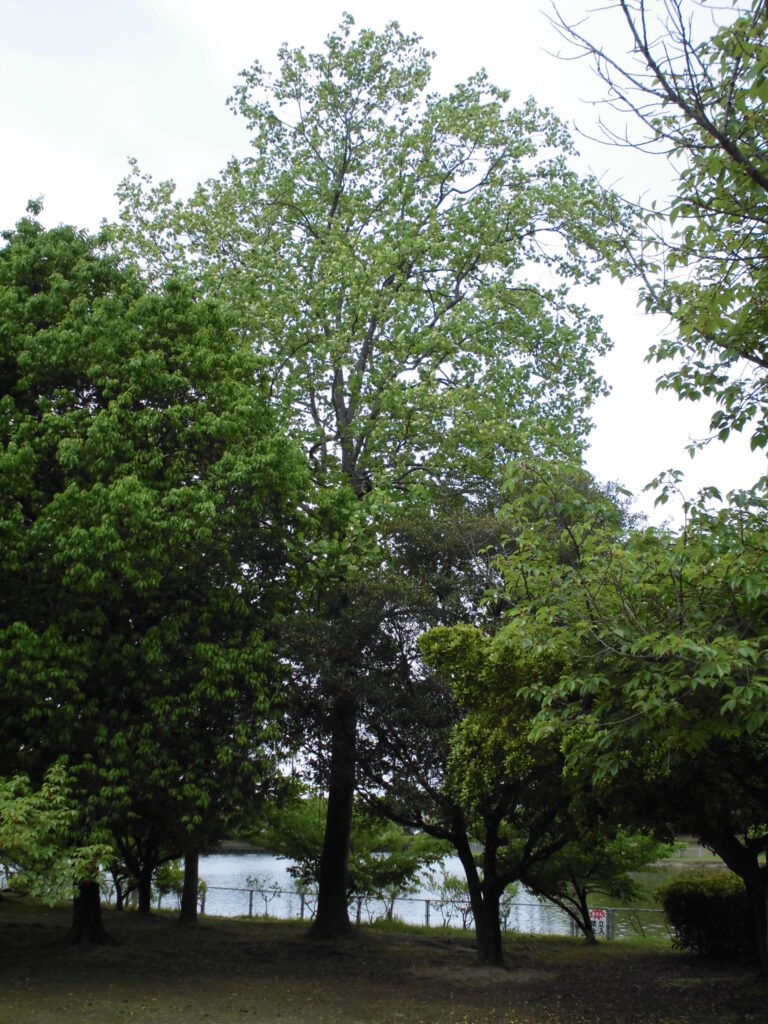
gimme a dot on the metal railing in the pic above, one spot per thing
(526, 916)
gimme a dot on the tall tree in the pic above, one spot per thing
(385, 247)
(147, 503)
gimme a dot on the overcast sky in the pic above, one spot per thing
(84, 84)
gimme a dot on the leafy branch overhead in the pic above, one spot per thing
(696, 80)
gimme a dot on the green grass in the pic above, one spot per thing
(227, 971)
(396, 924)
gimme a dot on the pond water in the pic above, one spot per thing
(230, 894)
(242, 884)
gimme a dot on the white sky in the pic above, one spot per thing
(84, 84)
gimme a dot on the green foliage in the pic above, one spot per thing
(388, 241)
(709, 913)
(38, 847)
(703, 100)
(659, 654)
(598, 863)
(506, 789)
(660, 633)
(168, 880)
(145, 511)
(488, 750)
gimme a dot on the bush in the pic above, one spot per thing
(709, 913)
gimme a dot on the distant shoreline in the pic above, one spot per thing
(234, 846)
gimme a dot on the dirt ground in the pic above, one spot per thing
(225, 971)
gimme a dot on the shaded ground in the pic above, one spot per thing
(226, 971)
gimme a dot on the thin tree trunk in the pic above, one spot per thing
(188, 913)
(587, 927)
(332, 914)
(87, 928)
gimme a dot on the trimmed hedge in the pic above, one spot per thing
(709, 913)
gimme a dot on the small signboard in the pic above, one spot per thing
(599, 919)
(603, 923)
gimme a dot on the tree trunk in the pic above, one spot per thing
(757, 894)
(493, 887)
(332, 914)
(87, 928)
(586, 921)
(745, 863)
(188, 913)
(485, 909)
(145, 889)
(489, 949)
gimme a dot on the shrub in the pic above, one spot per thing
(168, 880)
(709, 913)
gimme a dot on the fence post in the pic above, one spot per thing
(202, 902)
(610, 923)
(426, 913)
(301, 911)
(250, 903)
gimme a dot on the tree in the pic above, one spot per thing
(452, 768)
(660, 647)
(506, 792)
(384, 247)
(431, 568)
(434, 754)
(597, 863)
(702, 98)
(37, 837)
(385, 861)
(147, 504)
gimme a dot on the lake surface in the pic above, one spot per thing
(240, 884)
(231, 894)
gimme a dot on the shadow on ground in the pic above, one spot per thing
(225, 971)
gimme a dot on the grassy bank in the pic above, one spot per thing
(226, 971)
